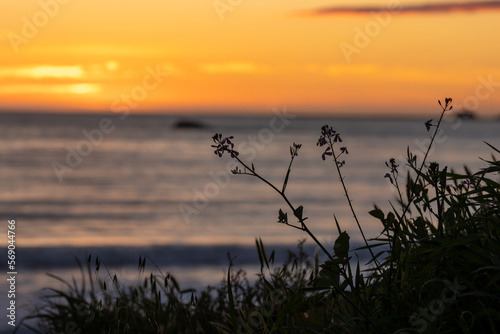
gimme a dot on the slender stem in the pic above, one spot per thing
(301, 220)
(412, 196)
(397, 187)
(439, 214)
(306, 229)
(111, 278)
(349, 202)
(285, 182)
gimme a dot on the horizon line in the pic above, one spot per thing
(302, 113)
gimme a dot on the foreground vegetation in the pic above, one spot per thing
(434, 268)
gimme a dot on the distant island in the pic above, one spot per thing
(466, 114)
(189, 124)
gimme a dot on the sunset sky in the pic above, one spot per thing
(341, 57)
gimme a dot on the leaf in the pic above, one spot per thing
(329, 274)
(299, 212)
(409, 184)
(262, 254)
(282, 217)
(420, 228)
(442, 178)
(341, 246)
(492, 147)
(377, 213)
(337, 223)
(230, 296)
(390, 219)
(491, 169)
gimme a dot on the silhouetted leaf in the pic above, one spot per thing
(299, 212)
(341, 246)
(282, 217)
(377, 213)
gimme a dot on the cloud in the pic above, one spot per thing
(407, 9)
(230, 68)
(81, 88)
(45, 71)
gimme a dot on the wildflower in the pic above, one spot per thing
(468, 183)
(294, 150)
(224, 145)
(327, 132)
(329, 137)
(394, 169)
(327, 152)
(428, 125)
(447, 101)
(392, 166)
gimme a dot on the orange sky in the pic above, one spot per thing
(249, 55)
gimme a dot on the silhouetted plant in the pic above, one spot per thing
(417, 252)
(434, 267)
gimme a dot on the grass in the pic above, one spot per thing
(434, 268)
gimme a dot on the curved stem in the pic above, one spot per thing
(301, 220)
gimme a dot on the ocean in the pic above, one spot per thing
(120, 188)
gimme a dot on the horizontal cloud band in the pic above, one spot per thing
(409, 9)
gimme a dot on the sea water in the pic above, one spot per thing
(92, 184)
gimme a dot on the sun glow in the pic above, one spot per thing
(226, 60)
(79, 89)
(44, 71)
(228, 68)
